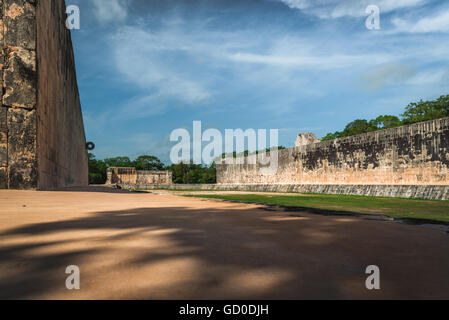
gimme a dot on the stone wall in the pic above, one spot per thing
(139, 178)
(42, 143)
(62, 154)
(411, 155)
(396, 191)
(18, 115)
(145, 178)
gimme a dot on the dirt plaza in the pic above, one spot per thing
(160, 245)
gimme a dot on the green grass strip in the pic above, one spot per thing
(392, 207)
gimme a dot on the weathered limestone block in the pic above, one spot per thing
(3, 177)
(19, 24)
(3, 137)
(22, 148)
(3, 116)
(21, 134)
(304, 139)
(2, 38)
(20, 79)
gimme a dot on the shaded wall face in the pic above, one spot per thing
(61, 152)
(412, 155)
(3, 147)
(42, 143)
(122, 176)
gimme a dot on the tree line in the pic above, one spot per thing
(182, 173)
(247, 153)
(414, 112)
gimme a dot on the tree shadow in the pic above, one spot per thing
(98, 189)
(180, 253)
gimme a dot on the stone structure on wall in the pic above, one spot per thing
(138, 178)
(414, 155)
(303, 139)
(42, 141)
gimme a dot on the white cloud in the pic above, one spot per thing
(298, 4)
(353, 8)
(151, 61)
(111, 10)
(433, 77)
(177, 65)
(333, 61)
(436, 23)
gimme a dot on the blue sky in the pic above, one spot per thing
(147, 67)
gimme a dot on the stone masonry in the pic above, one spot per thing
(414, 155)
(303, 139)
(138, 178)
(42, 142)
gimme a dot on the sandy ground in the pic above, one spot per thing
(163, 246)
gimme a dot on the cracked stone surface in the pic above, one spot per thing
(42, 142)
(412, 155)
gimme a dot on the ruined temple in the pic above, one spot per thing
(138, 178)
(42, 140)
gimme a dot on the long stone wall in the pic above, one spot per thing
(395, 191)
(414, 155)
(42, 142)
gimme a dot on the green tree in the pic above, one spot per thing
(209, 174)
(357, 127)
(426, 110)
(385, 122)
(193, 173)
(179, 171)
(247, 153)
(97, 170)
(148, 163)
(332, 136)
(414, 112)
(118, 162)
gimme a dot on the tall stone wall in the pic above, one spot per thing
(411, 155)
(62, 154)
(42, 142)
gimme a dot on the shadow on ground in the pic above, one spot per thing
(180, 253)
(101, 189)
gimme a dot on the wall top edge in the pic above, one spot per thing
(362, 136)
